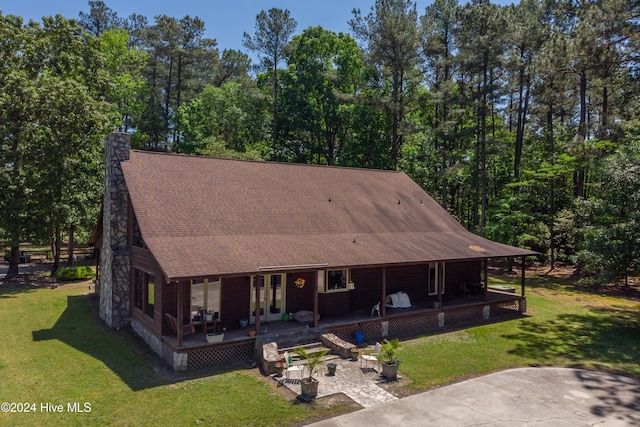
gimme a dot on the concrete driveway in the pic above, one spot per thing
(515, 397)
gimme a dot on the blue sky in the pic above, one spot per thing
(225, 20)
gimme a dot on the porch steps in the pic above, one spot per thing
(273, 348)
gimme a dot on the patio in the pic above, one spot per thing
(358, 383)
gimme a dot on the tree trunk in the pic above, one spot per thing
(70, 247)
(56, 251)
(14, 262)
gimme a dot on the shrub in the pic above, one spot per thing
(80, 272)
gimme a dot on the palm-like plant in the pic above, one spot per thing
(313, 359)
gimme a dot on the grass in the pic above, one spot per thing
(564, 326)
(55, 350)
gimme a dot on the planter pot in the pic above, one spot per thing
(208, 317)
(436, 305)
(331, 368)
(354, 354)
(309, 387)
(244, 323)
(252, 333)
(215, 337)
(389, 371)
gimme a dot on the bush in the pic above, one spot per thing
(80, 272)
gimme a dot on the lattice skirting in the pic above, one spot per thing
(429, 322)
(220, 355)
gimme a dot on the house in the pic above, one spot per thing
(190, 245)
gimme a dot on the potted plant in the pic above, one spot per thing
(244, 322)
(309, 385)
(331, 368)
(279, 367)
(389, 359)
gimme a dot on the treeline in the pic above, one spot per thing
(522, 121)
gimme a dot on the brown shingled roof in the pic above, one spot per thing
(203, 216)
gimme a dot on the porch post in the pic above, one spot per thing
(523, 268)
(315, 301)
(180, 311)
(257, 313)
(485, 273)
(383, 305)
(440, 281)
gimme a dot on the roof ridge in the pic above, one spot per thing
(270, 162)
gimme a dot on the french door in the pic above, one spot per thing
(271, 297)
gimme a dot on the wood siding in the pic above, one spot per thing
(300, 298)
(458, 272)
(235, 301)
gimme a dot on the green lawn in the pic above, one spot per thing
(53, 350)
(564, 326)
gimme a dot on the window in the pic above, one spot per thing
(151, 289)
(337, 280)
(144, 292)
(205, 294)
(433, 283)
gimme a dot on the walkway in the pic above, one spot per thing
(360, 384)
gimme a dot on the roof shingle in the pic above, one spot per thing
(203, 216)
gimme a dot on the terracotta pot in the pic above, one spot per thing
(252, 333)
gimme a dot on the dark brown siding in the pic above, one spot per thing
(368, 291)
(461, 271)
(300, 298)
(411, 279)
(236, 293)
(334, 304)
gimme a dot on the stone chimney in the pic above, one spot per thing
(115, 261)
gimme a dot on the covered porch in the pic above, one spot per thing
(455, 313)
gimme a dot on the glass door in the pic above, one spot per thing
(271, 297)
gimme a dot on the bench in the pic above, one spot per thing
(337, 345)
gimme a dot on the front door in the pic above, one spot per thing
(271, 297)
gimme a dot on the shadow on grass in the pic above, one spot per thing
(607, 336)
(122, 351)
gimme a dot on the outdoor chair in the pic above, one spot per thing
(291, 367)
(371, 357)
(173, 325)
(376, 308)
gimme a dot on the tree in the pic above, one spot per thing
(72, 119)
(390, 37)
(612, 238)
(18, 95)
(481, 38)
(99, 19)
(324, 72)
(438, 26)
(125, 67)
(272, 32)
(233, 116)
